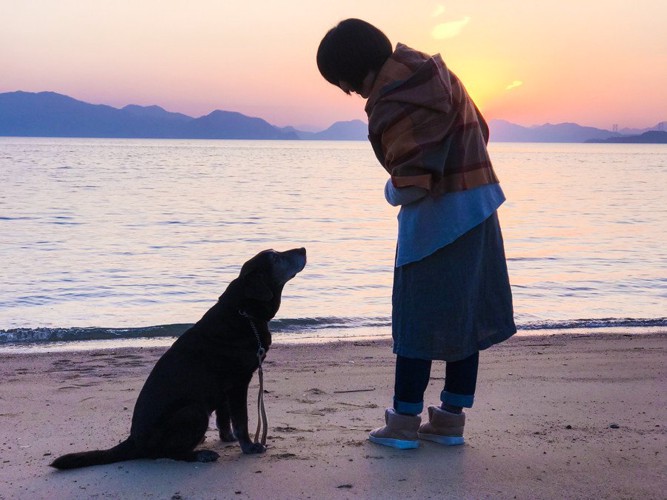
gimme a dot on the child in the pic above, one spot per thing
(451, 295)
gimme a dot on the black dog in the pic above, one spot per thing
(207, 369)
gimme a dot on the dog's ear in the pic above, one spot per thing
(256, 288)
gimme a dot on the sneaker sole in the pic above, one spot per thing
(443, 440)
(395, 443)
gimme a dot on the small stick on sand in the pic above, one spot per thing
(355, 390)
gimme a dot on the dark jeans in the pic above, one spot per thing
(412, 377)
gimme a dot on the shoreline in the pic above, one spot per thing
(322, 336)
(562, 415)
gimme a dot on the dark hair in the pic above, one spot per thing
(350, 50)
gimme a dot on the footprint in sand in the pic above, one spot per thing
(286, 429)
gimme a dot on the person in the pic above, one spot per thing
(451, 293)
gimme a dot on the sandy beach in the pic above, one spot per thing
(560, 416)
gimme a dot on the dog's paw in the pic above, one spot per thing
(206, 456)
(253, 448)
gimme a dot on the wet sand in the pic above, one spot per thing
(561, 416)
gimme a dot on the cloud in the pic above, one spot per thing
(449, 29)
(514, 84)
(439, 10)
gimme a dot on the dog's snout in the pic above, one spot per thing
(296, 252)
(295, 261)
(302, 253)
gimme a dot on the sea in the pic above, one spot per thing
(123, 242)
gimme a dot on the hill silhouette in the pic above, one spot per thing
(650, 137)
(48, 114)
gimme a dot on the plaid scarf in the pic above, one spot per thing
(424, 127)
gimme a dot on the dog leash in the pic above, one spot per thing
(262, 421)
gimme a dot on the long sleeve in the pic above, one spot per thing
(402, 196)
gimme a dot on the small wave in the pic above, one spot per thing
(292, 326)
(300, 324)
(595, 324)
(39, 335)
(45, 335)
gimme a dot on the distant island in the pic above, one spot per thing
(48, 114)
(650, 137)
(503, 131)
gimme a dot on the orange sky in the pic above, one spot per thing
(594, 62)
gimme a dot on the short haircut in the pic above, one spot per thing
(350, 50)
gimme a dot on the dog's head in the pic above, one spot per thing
(263, 278)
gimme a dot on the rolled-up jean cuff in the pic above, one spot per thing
(408, 408)
(463, 400)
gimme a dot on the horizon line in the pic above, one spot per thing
(614, 129)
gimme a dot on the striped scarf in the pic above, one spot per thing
(424, 127)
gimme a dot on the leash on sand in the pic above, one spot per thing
(262, 421)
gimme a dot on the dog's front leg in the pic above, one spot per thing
(238, 406)
(224, 422)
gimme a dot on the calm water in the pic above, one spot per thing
(106, 237)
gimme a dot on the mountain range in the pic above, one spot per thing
(503, 131)
(48, 114)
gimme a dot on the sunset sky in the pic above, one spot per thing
(594, 62)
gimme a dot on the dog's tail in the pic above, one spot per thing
(123, 451)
